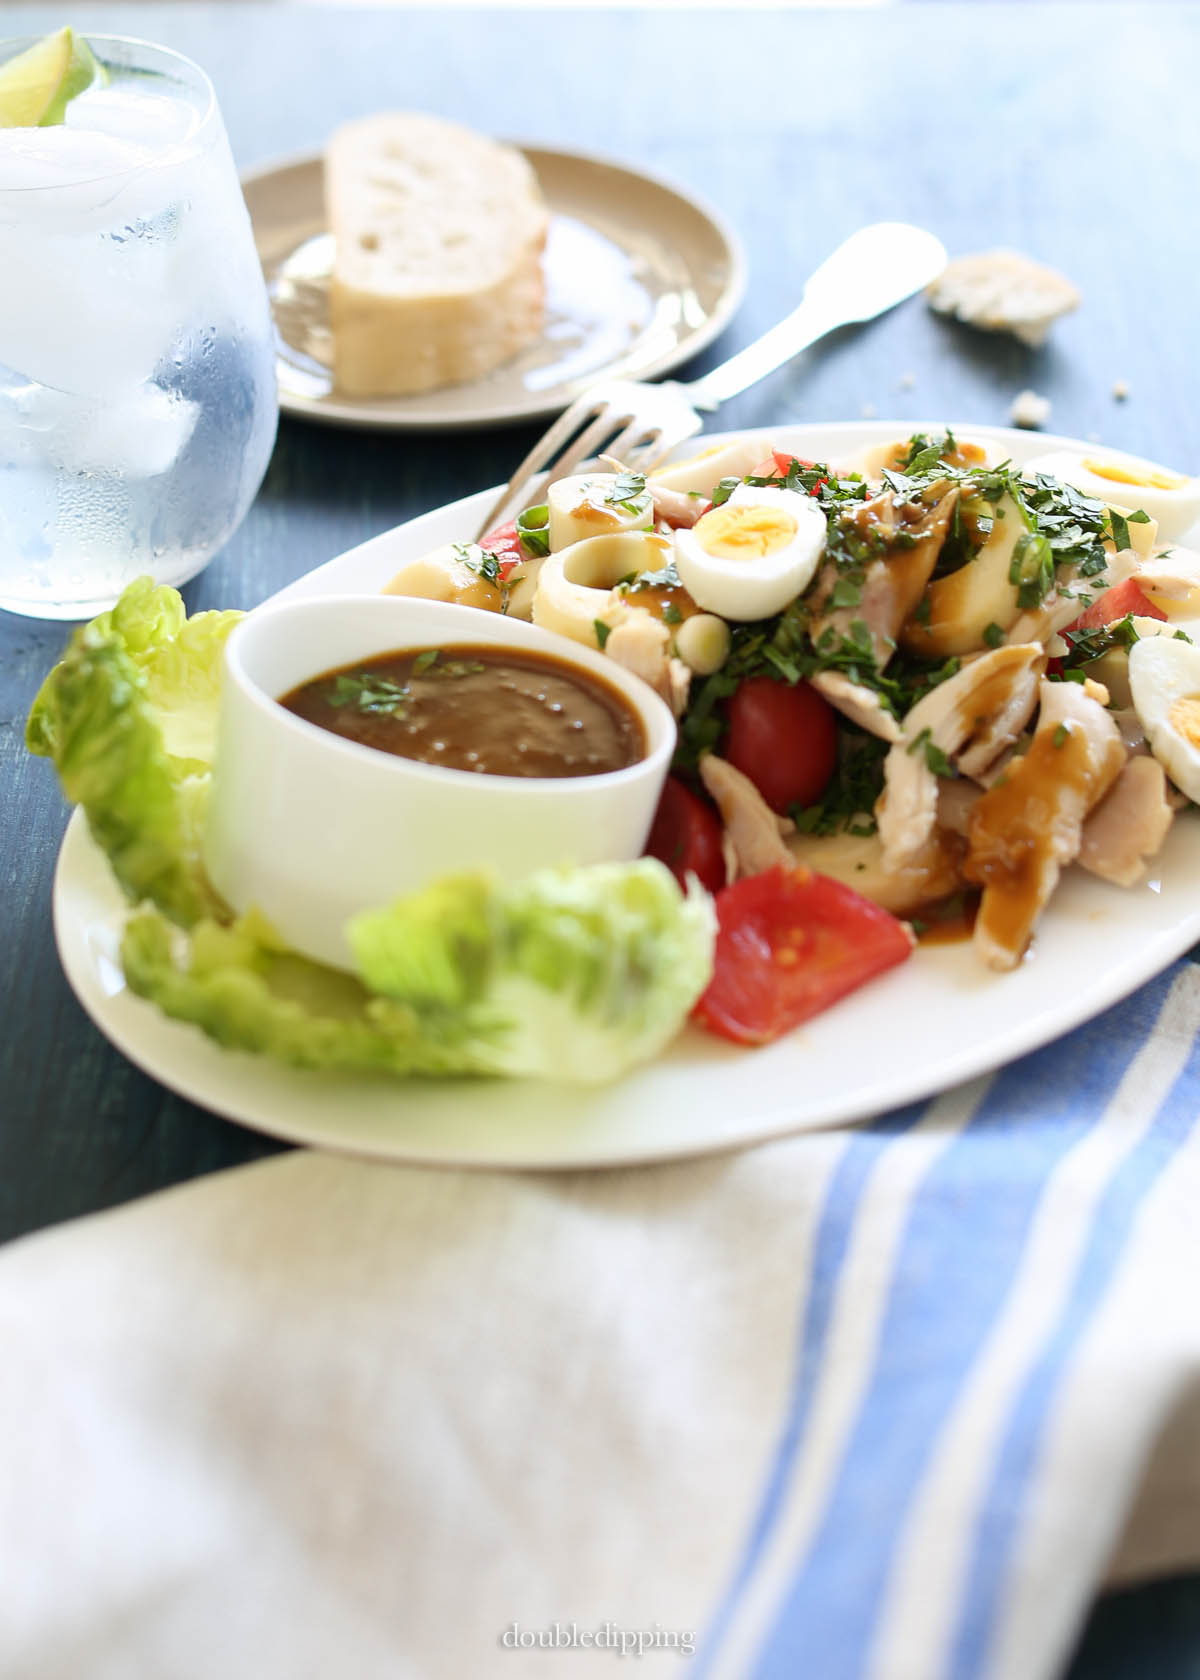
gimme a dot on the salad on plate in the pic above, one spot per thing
(911, 689)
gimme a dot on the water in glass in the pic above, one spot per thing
(137, 386)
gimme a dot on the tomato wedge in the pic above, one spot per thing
(1114, 604)
(777, 464)
(505, 544)
(790, 943)
(686, 836)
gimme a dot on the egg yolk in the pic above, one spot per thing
(1151, 479)
(962, 455)
(1184, 718)
(744, 533)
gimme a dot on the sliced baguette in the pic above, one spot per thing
(437, 276)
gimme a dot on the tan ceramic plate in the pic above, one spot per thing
(639, 276)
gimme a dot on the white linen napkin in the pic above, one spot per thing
(886, 1402)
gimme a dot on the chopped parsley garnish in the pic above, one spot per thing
(628, 492)
(479, 561)
(376, 695)
(603, 631)
(666, 577)
(1059, 738)
(671, 614)
(1119, 523)
(993, 636)
(935, 758)
(847, 805)
(1083, 646)
(723, 490)
(924, 453)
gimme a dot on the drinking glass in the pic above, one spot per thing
(137, 379)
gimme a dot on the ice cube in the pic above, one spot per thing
(153, 122)
(137, 437)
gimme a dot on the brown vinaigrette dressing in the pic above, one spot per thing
(1012, 841)
(496, 710)
(949, 922)
(669, 602)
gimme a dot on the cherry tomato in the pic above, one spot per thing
(784, 737)
(686, 836)
(790, 943)
(779, 461)
(1114, 604)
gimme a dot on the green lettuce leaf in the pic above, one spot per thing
(575, 973)
(570, 974)
(128, 717)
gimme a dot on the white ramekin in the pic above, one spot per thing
(310, 828)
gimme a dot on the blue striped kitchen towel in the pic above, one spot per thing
(887, 1402)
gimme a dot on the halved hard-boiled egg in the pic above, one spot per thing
(596, 505)
(1127, 482)
(700, 474)
(1164, 682)
(752, 555)
(961, 452)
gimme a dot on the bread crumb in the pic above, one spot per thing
(868, 411)
(1120, 390)
(1003, 291)
(1029, 410)
(907, 381)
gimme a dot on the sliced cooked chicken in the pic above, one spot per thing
(679, 684)
(640, 643)
(679, 508)
(751, 826)
(1174, 574)
(857, 702)
(1001, 726)
(1029, 824)
(956, 801)
(1129, 825)
(676, 508)
(971, 718)
(910, 535)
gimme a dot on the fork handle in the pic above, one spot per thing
(872, 271)
(806, 323)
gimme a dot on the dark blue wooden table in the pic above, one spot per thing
(1069, 131)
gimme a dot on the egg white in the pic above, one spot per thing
(1176, 507)
(753, 586)
(699, 474)
(1164, 683)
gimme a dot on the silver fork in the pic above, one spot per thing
(875, 268)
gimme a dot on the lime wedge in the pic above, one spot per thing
(37, 86)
